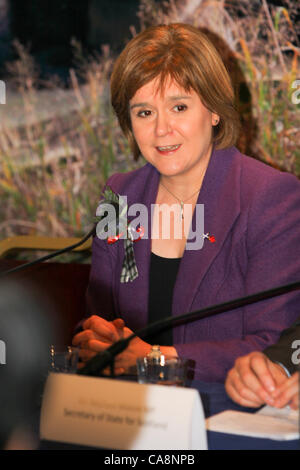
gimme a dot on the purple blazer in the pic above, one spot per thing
(253, 211)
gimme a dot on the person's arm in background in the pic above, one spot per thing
(286, 351)
(259, 377)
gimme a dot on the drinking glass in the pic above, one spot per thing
(162, 371)
(63, 359)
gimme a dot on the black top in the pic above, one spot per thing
(163, 272)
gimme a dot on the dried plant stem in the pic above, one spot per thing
(270, 21)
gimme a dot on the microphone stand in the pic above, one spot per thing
(51, 255)
(95, 365)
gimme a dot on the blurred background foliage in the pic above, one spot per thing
(59, 139)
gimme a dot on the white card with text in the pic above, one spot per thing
(117, 414)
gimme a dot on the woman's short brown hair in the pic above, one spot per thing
(184, 54)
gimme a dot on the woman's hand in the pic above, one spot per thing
(135, 349)
(96, 328)
(125, 360)
(99, 334)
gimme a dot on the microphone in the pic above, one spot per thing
(51, 255)
(95, 365)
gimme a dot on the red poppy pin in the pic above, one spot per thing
(209, 237)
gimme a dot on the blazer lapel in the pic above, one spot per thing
(220, 194)
(134, 295)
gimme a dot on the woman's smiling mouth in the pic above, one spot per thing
(168, 148)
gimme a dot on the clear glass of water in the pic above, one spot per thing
(162, 371)
(63, 360)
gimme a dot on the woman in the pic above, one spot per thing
(174, 101)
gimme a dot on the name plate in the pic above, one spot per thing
(115, 414)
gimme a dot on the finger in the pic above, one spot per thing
(286, 396)
(86, 354)
(279, 374)
(239, 389)
(288, 392)
(101, 327)
(246, 381)
(83, 337)
(95, 322)
(259, 364)
(97, 346)
(117, 371)
(242, 389)
(294, 404)
(76, 339)
(235, 396)
(294, 379)
(119, 325)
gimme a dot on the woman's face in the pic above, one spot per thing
(173, 130)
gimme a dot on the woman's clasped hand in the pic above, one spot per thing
(98, 334)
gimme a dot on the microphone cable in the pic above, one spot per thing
(95, 365)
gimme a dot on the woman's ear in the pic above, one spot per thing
(215, 119)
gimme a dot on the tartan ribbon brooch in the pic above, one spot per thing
(112, 225)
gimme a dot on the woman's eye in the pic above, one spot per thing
(144, 113)
(180, 107)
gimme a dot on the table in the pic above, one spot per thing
(214, 400)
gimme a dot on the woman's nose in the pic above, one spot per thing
(163, 125)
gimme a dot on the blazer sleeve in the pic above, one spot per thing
(287, 349)
(273, 252)
(99, 294)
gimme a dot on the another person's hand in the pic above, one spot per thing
(288, 393)
(254, 379)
